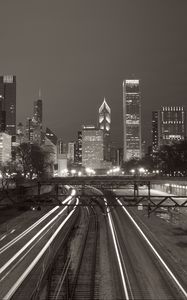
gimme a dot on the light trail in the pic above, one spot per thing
(154, 250)
(117, 252)
(5, 266)
(21, 235)
(37, 258)
(123, 262)
(25, 254)
(9, 244)
(3, 237)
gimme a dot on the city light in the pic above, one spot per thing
(141, 170)
(73, 172)
(90, 171)
(114, 171)
(64, 172)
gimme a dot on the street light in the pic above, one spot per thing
(90, 171)
(141, 170)
(73, 172)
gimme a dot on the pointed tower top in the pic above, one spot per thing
(104, 104)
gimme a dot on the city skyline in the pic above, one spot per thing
(80, 51)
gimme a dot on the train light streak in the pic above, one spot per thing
(154, 250)
(37, 258)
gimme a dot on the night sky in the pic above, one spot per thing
(78, 51)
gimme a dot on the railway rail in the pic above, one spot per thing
(78, 280)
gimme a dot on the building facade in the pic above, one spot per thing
(105, 125)
(71, 152)
(92, 147)
(131, 119)
(20, 137)
(155, 130)
(173, 124)
(38, 115)
(5, 147)
(8, 98)
(29, 130)
(2, 115)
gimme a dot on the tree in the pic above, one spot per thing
(173, 158)
(9, 173)
(40, 160)
(23, 158)
(135, 163)
(32, 160)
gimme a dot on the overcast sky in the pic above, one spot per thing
(78, 51)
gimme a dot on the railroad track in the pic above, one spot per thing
(78, 280)
(83, 285)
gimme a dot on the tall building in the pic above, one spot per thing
(173, 124)
(71, 151)
(51, 136)
(50, 146)
(62, 157)
(37, 120)
(131, 119)
(20, 133)
(62, 147)
(5, 147)
(155, 130)
(2, 115)
(92, 147)
(78, 149)
(105, 125)
(8, 96)
(29, 128)
(38, 113)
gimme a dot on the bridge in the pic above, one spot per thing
(110, 183)
(113, 181)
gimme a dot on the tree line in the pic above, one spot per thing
(29, 161)
(168, 160)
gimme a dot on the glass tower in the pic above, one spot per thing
(105, 125)
(131, 119)
(8, 98)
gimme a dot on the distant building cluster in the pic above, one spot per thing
(93, 148)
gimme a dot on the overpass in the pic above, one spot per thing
(106, 183)
(113, 181)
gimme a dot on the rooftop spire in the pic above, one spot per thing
(104, 104)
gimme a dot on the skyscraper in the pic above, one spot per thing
(38, 111)
(92, 147)
(78, 149)
(37, 120)
(155, 130)
(51, 136)
(29, 130)
(5, 147)
(131, 119)
(20, 133)
(71, 152)
(173, 124)
(2, 115)
(105, 125)
(8, 96)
